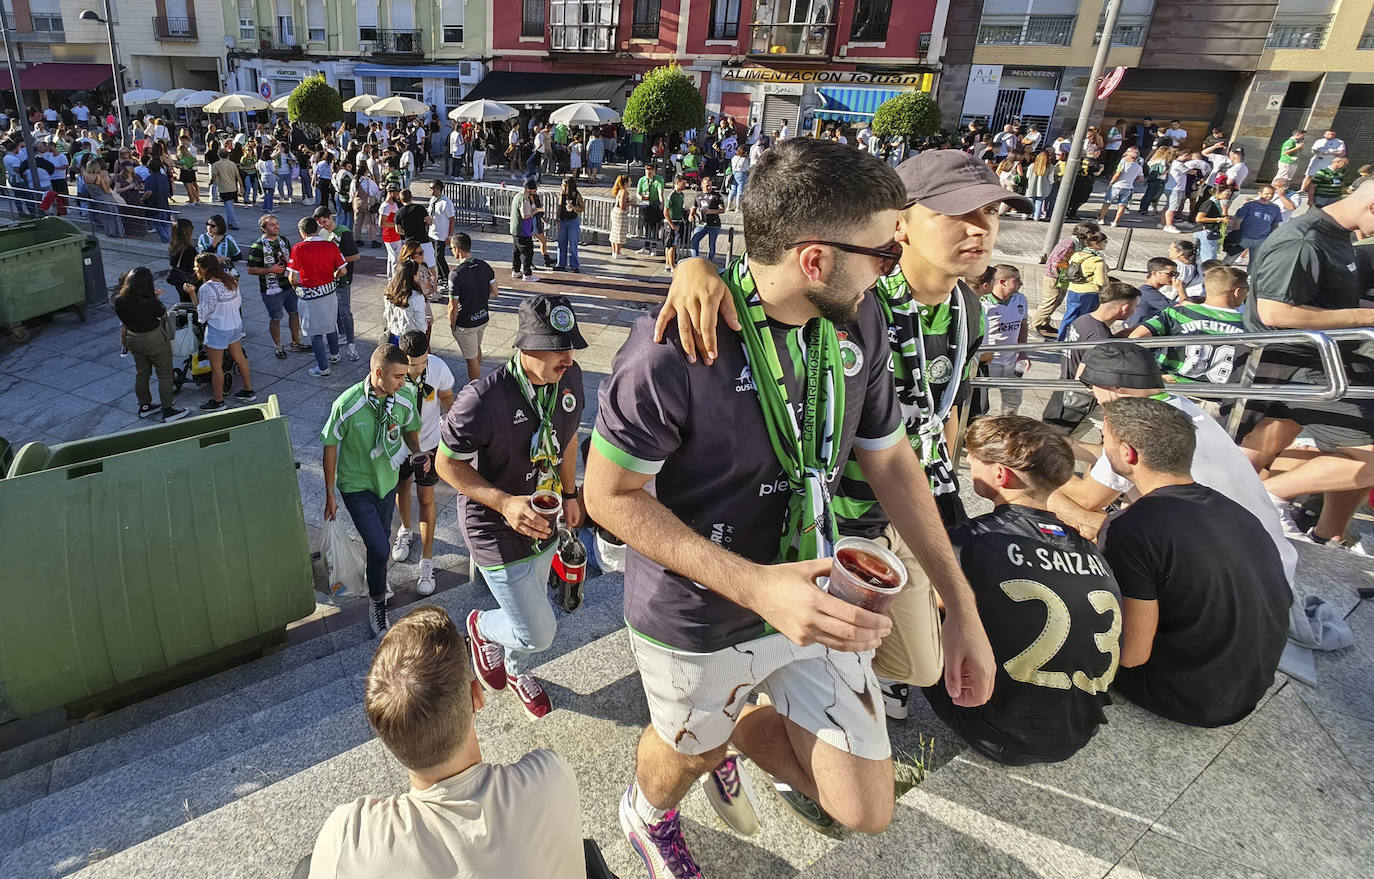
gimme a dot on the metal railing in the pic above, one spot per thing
(1240, 390)
(278, 41)
(1298, 32)
(798, 38)
(1026, 30)
(101, 217)
(174, 29)
(398, 42)
(1130, 30)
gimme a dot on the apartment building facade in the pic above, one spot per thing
(1256, 68)
(802, 62)
(163, 44)
(430, 50)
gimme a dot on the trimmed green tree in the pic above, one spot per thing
(315, 102)
(664, 102)
(910, 114)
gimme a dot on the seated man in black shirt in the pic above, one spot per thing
(1047, 600)
(1206, 604)
(1070, 409)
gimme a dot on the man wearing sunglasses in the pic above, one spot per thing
(726, 545)
(1159, 291)
(945, 232)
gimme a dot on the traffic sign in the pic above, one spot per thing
(265, 90)
(1109, 83)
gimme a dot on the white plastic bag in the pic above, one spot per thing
(344, 561)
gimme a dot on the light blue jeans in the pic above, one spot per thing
(1206, 247)
(524, 624)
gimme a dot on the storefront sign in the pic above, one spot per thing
(768, 74)
(284, 73)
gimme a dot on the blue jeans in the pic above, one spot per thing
(305, 185)
(1206, 247)
(317, 344)
(229, 215)
(283, 186)
(737, 181)
(1075, 306)
(1037, 207)
(251, 188)
(713, 232)
(163, 230)
(345, 213)
(568, 233)
(525, 623)
(269, 189)
(371, 515)
(1150, 197)
(344, 291)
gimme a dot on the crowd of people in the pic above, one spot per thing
(1162, 576)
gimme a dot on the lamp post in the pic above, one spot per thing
(108, 21)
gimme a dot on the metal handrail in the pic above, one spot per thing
(14, 195)
(1337, 385)
(1358, 334)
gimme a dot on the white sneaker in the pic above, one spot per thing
(1173, 230)
(642, 250)
(531, 277)
(316, 372)
(352, 351)
(425, 586)
(667, 270)
(731, 793)
(400, 550)
(1287, 518)
(896, 698)
(515, 276)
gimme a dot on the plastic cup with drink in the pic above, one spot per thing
(865, 574)
(548, 504)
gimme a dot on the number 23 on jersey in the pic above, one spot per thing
(1028, 665)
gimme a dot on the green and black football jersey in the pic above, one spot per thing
(1199, 363)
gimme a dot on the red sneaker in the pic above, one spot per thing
(488, 657)
(531, 694)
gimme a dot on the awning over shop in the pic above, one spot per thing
(540, 89)
(852, 104)
(57, 76)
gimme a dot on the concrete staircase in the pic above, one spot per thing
(234, 774)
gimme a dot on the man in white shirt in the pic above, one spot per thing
(1004, 140)
(441, 223)
(1177, 185)
(1004, 311)
(461, 816)
(1122, 185)
(1237, 172)
(863, 137)
(1325, 149)
(1031, 141)
(81, 112)
(1176, 133)
(756, 152)
(456, 149)
(50, 114)
(786, 131)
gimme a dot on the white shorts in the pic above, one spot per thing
(469, 341)
(427, 248)
(1176, 198)
(695, 698)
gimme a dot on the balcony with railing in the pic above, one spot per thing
(1298, 32)
(43, 28)
(792, 40)
(1026, 30)
(174, 29)
(402, 43)
(1130, 31)
(278, 43)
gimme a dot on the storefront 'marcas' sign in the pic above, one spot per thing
(767, 74)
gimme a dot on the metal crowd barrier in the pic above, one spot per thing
(20, 204)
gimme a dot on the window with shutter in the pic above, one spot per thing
(451, 20)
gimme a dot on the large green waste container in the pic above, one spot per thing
(128, 555)
(41, 270)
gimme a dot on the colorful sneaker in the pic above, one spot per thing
(805, 809)
(731, 793)
(488, 657)
(532, 695)
(661, 846)
(896, 698)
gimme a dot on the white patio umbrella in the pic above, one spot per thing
(237, 103)
(197, 100)
(141, 96)
(171, 98)
(360, 103)
(483, 111)
(398, 106)
(280, 103)
(584, 113)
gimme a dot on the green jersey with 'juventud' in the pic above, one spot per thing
(1198, 363)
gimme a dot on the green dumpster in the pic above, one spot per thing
(131, 558)
(41, 271)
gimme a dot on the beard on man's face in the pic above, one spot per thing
(837, 298)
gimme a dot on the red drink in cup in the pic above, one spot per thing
(547, 504)
(866, 574)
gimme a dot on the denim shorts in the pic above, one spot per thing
(221, 339)
(280, 303)
(1120, 195)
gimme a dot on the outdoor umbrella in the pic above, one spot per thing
(197, 100)
(584, 113)
(398, 106)
(483, 111)
(171, 98)
(280, 103)
(236, 104)
(360, 103)
(142, 96)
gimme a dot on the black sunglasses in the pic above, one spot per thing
(890, 253)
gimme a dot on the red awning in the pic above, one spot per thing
(57, 76)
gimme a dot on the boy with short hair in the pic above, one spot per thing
(461, 816)
(433, 383)
(1218, 315)
(1004, 309)
(676, 232)
(1052, 676)
(472, 286)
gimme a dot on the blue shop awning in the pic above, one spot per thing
(852, 104)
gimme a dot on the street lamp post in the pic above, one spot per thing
(108, 21)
